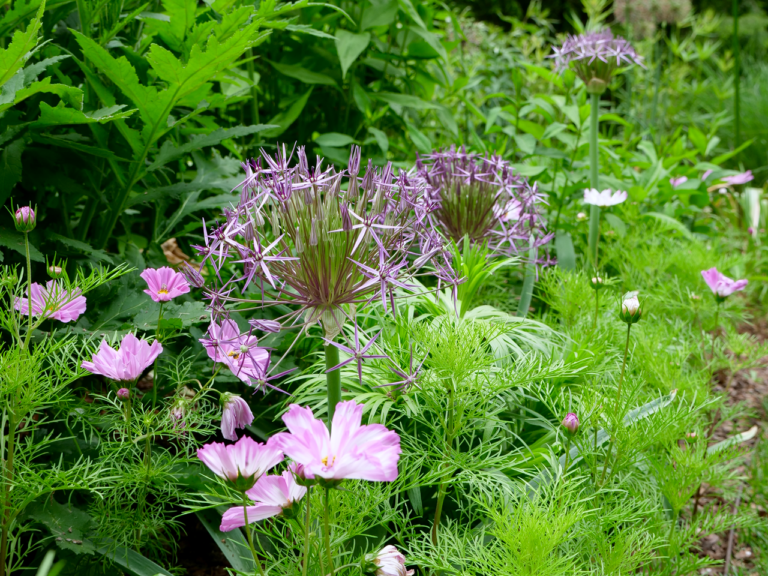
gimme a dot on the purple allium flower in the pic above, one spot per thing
(235, 414)
(389, 561)
(571, 422)
(128, 362)
(369, 452)
(164, 284)
(604, 198)
(720, 284)
(123, 393)
(272, 495)
(241, 463)
(25, 219)
(192, 274)
(675, 182)
(240, 352)
(358, 354)
(53, 301)
(409, 378)
(738, 179)
(594, 57)
(265, 325)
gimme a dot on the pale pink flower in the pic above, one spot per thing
(271, 494)
(604, 198)
(242, 463)
(737, 179)
(238, 351)
(721, 285)
(350, 451)
(390, 562)
(164, 283)
(571, 422)
(53, 301)
(675, 182)
(128, 362)
(236, 414)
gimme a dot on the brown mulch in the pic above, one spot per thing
(198, 554)
(750, 388)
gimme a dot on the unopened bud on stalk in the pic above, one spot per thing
(631, 309)
(25, 219)
(55, 271)
(571, 422)
(123, 393)
(581, 216)
(346, 221)
(596, 283)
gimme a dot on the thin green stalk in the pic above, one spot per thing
(736, 74)
(249, 536)
(333, 380)
(714, 336)
(530, 277)
(327, 530)
(29, 292)
(594, 211)
(7, 496)
(597, 307)
(623, 367)
(155, 378)
(675, 516)
(443, 488)
(567, 455)
(306, 535)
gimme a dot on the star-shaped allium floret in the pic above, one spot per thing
(409, 378)
(214, 245)
(357, 354)
(368, 224)
(257, 257)
(386, 275)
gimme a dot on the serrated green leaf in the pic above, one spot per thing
(61, 115)
(68, 94)
(13, 58)
(349, 46)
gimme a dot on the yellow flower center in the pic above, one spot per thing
(325, 460)
(162, 291)
(234, 355)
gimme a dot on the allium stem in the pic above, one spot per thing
(327, 528)
(736, 75)
(333, 380)
(594, 211)
(530, 277)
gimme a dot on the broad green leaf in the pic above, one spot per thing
(647, 147)
(283, 120)
(349, 46)
(526, 143)
(419, 139)
(381, 139)
(553, 129)
(566, 255)
(614, 118)
(232, 544)
(405, 101)
(379, 13)
(334, 139)
(131, 561)
(617, 224)
(304, 29)
(10, 167)
(68, 525)
(302, 74)
(71, 96)
(698, 139)
(527, 170)
(431, 39)
(409, 9)
(170, 152)
(61, 115)
(728, 155)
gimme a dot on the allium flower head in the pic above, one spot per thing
(594, 57)
(389, 561)
(53, 301)
(273, 495)
(128, 362)
(308, 244)
(235, 414)
(192, 274)
(25, 219)
(604, 198)
(721, 285)
(369, 452)
(240, 352)
(164, 283)
(241, 463)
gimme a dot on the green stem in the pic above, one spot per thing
(714, 336)
(249, 536)
(29, 292)
(623, 367)
(597, 307)
(594, 211)
(441, 492)
(333, 380)
(306, 535)
(327, 531)
(7, 496)
(675, 516)
(530, 277)
(736, 74)
(567, 456)
(155, 379)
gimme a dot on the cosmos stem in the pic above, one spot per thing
(333, 380)
(594, 211)
(327, 527)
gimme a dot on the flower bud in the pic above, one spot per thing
(25, 219)
(389, 561)
(581, 217)
(571, 423)
(596, 283)
(631, 309)
(55, 272)
(123, 394)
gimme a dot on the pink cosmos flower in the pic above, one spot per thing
(127, 363)
(604, 198)
(706, 175)
(721, 285)
(236, 414)
(271, 494)
(737, 179)
(350, 451)
(164, 283)
(53, 301)
(238, 351)
(242, 463)
(675, 182)
(390, 562)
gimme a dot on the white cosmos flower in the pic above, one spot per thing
(604, 198)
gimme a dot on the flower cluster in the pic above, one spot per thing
(482, 198)
(594, 57)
